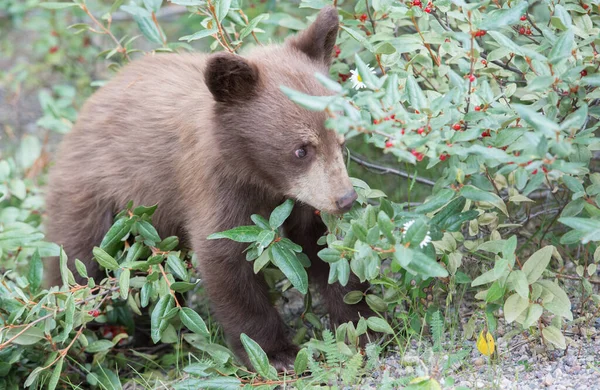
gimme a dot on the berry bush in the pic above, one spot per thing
(480, 117)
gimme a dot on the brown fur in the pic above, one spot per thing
(211, 139)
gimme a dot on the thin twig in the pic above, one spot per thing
(385, 170)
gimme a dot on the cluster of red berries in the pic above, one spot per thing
(418, 155)
(94, 313)
(486, 134)
(524, 31)
(343, 76)
(472, 78)
(337, 51)
(387, 118)
(479, 33)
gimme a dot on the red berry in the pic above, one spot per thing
(457, 126)
(376, 121)
(472, 78)
(484, 62)
(477, 108)
(481, 33)
(528, 32)
(53, 49)
(585, 6)
(417, 112)
(363, 18)
(403, 131)
(94, 313)
(393, 116)
(427, 9)
(389, 144)
(583, 73)
(54, 33)
(420, 130)
(344, 76)
(544, 169)
(447, 40)
(486, 134)
(522, 30)
(420, 156)
(534, 172)
(416, 3)
(337, 51)
(443, 157)
(524, 18)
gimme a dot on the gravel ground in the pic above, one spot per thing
(521, 365)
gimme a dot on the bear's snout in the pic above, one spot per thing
(345, 202)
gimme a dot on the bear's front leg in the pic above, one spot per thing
(241, 304)
(305, 228)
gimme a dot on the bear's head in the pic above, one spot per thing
(267, 136)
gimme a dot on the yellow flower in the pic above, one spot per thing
(485, 343)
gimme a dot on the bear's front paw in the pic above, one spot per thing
(283, 359)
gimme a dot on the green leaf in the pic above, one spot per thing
(193, 321)
(252, 25)
(537, 263)
(213, 383)
(301, 362)
(36, 271)
(81, 268)
(559, 303)
(29, 336)
(353, 297)
(199, 35)
(99, 346)
(415, 94)
(222, 7)
(379, 325)
(533, 314)
(281, 213)
(311, 103)
(117, 232)
(182, 287)
(177, 267)
(514, 306)
(554, 336)
(124, 279)
(418, 262)
(589, 227)
(56, 374)
(562, 47)
(105, 260)
(386, 227)
(157, 323)
(258, 358)
(291, 267)
(239, 234)
(538, 121)
(148, 231)
(519, 282)
(329, 255)
(438, 200)
(504, 17)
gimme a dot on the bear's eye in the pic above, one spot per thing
(300, 153)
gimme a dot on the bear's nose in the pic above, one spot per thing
(345, 202)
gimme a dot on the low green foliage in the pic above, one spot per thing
(496, 103)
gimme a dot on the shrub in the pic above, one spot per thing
(489, 110)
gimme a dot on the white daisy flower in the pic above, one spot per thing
(425, 241)
(357, 81)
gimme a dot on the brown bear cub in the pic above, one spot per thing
(211, 139)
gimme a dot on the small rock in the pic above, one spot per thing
(548, 380)
(479, 384)
(479, 362)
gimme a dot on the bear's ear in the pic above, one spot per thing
(231, 78)
(318, 40)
